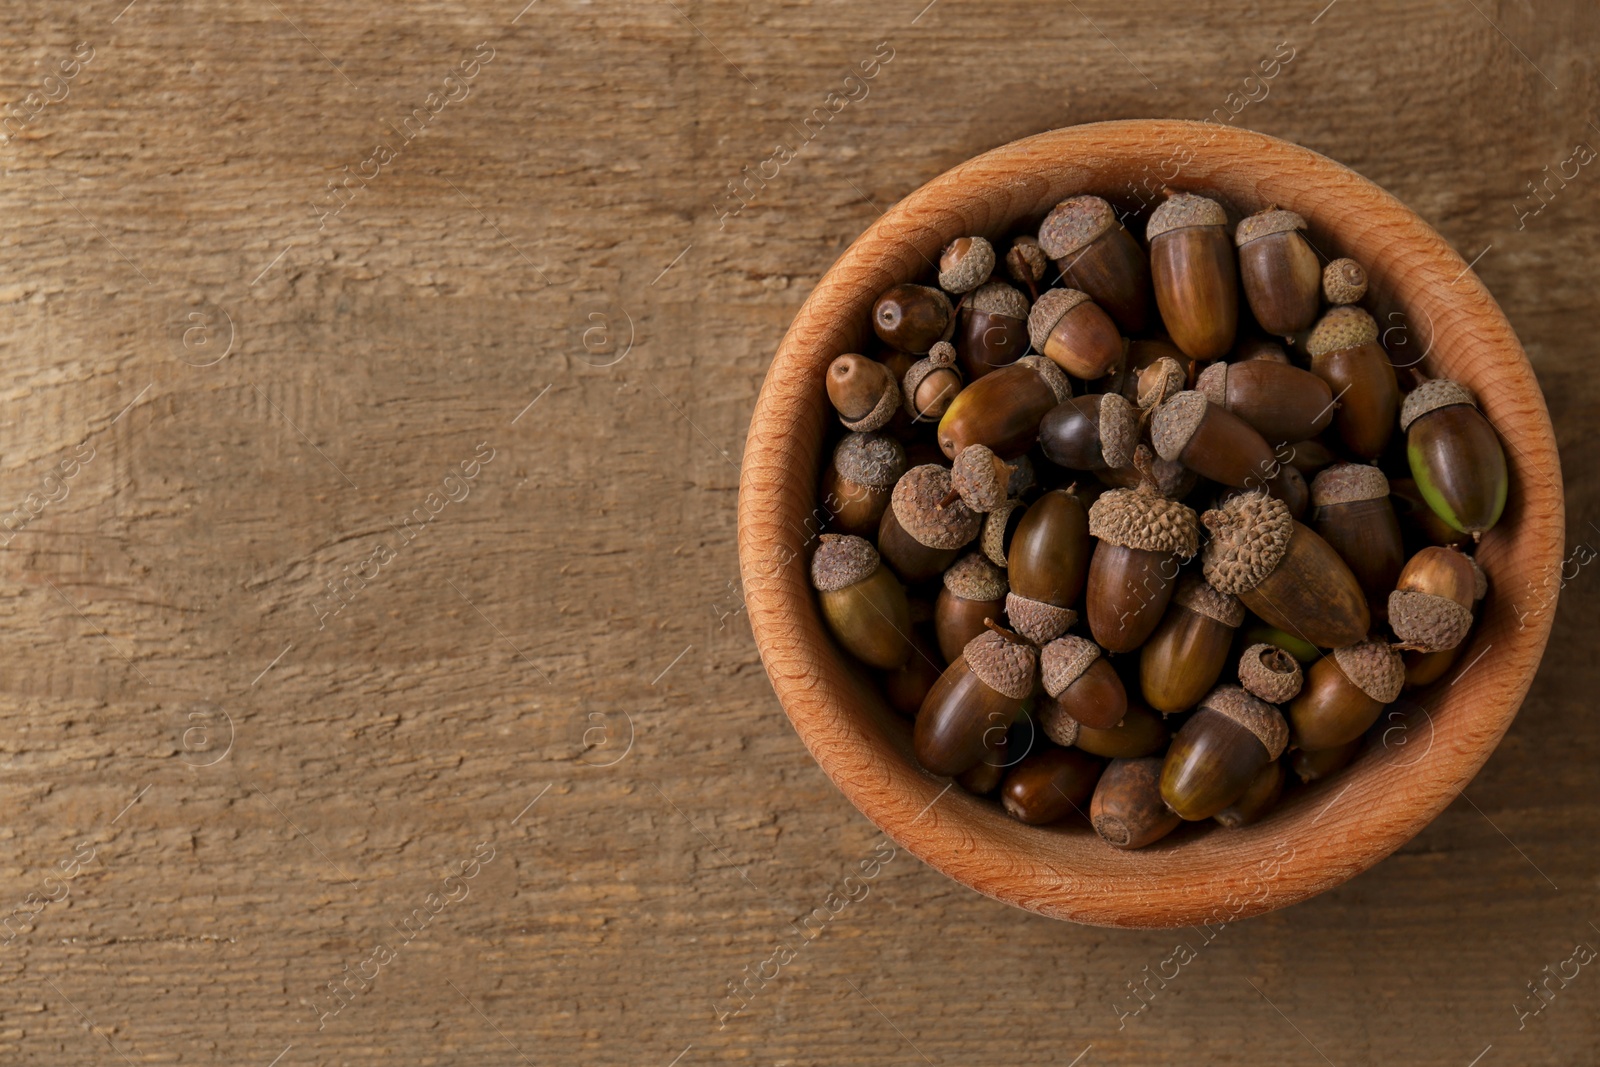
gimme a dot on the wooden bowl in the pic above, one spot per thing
(1320, 836)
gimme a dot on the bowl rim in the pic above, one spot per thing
(1325, 834)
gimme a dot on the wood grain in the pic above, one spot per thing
(179, 175)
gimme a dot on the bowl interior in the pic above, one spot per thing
(1434, 312)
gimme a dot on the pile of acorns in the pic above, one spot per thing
(1202, 554)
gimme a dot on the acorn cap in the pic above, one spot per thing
(1003, 665)
(1143, 519)
(841, 561)
(881, 413)
(1196, 594)
(1253, 713)
(972, 577)
(941, 355)
(1175, 422)
(998, 298)
(1344, 281)
(1073, 224)
(981, 477)
(1163, 379)
(1064, 660)
(916, 501)
(1053, 376)
(1213, 382)
(1057, 725)
(1347, 483)
(1261, 672)
(1119, 429)
(1181, 210)
(1342, 327)
(1431, 396)
(993, 542)
(1051, 307)
(1265, 224)
(970, 269)
(1250, 533)
(1036, 620)
(1026, 262)
(870, 459)
(1480, 579)
(1375, 669)
(1426, 622)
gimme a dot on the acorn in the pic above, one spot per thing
(1418, 518)
(1195, 275)
(999, 528)
(919, 535)
(1046, 564)
(1188, 650)
(1082, 685)
(912, 317)
(1351, 510)
(1069, 328)
(1049, 785)
(1218, 752)
(982, 479)
(1310, 766)
(1284, 571)
(1425, 668)
(859, 479)
(1091, 432)
(1431, 607)
(991, 329)
(863, 392)
(1289, 486)
(1143, 537)
(1345, 353)
(1455, 456)
(1344, 694)
(985, 776)
(973, 590)
(1027, 264)
(1269, 673)
(1212, 441)
(1282, 402)
(1344, 281)
(1097, 255)
(967, 711)
(1003, 408)
(1140, 733)
(965, 264)
(1257, 799)
(862, 603)
(931, 384)
(906, 687)
(1127, 810)
(1160, 382)
(1310, 458)
(1281, 272)
(1142, 352)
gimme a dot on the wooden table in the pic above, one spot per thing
(377, 686)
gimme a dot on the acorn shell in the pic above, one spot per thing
(981, 478)
(1049, 309)
(1073, 224)
(970, 268)
(1266, 223)
(1198, 595)
(1270, 683)
(1431, 396)
(1341, 328)
(881, 413)
(1143, 519)
(1375, 668)
(873, 460)
(1003, 665)
(919, 509)
(998, 298)
(972, 577)
(1348, 483)
(1064, 660)
(993, 542)
(1037, 621)
(1427, 622)
(1174, 423)
(1344, 281)
(1250, 533)
(1181, 210)
(841, 561)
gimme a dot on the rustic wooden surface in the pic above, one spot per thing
(228, 787)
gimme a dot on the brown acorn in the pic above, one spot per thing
(1257, 799)
(1270, 673)
(912, 317)
(1282, 402)
(1140, 733)
(1098, 256)
(1218, 752)
(931, 383)
(985, 776)
(1344, 281)
(999, 528)
(1143, 538)
(1289, 486)
(1082, 686)
(982, 479)
(991, 329)
(1310, 458)
(1431, 607)
(1160, 382)
(965, 264)
(1189, 649)
(1127, 810)
(1003, 408)
(863, 392)
(1195, 275)
(974, 590)
(1049, 785)
(919, 534)
(1046, 564)
(1345, 353)
(968, 710)
(1281, 272)
(862, 603)
(1026, 263)
(1351, 510)
(1091, 432)
(1142, 353)
(1455, 456)
(1284, 572)
(1212, 441)
(1310, 766)
(859, 479)
(906, 687)
(1344, 694)
(1425, 668)
(1069, 328)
